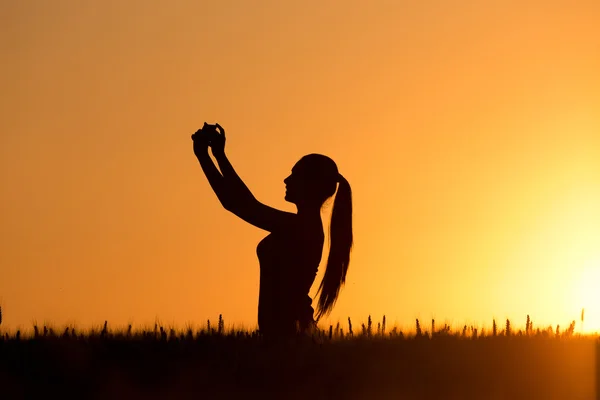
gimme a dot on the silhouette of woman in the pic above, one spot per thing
(290, 255)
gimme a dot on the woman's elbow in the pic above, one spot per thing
(236, 203)
(227, 204)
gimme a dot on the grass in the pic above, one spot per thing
(335, 362)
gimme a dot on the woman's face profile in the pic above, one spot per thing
(295, 185)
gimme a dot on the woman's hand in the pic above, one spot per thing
(217, 140)
(202, 138)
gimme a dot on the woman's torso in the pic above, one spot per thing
(288, 266)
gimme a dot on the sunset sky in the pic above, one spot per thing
(469, 132)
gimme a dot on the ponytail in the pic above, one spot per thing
(340, 237)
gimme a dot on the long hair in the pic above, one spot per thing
(340, 236)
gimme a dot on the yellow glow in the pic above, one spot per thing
(587, 295)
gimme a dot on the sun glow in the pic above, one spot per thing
(587, 296)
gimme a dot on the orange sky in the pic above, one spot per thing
(469, 131)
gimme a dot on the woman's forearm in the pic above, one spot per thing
(215, 179)
(231, 177)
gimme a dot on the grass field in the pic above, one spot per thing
(334, 363)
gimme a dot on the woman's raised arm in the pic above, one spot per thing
(231, 190)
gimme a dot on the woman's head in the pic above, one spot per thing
(313, 180)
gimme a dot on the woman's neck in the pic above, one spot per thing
(309, 212)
